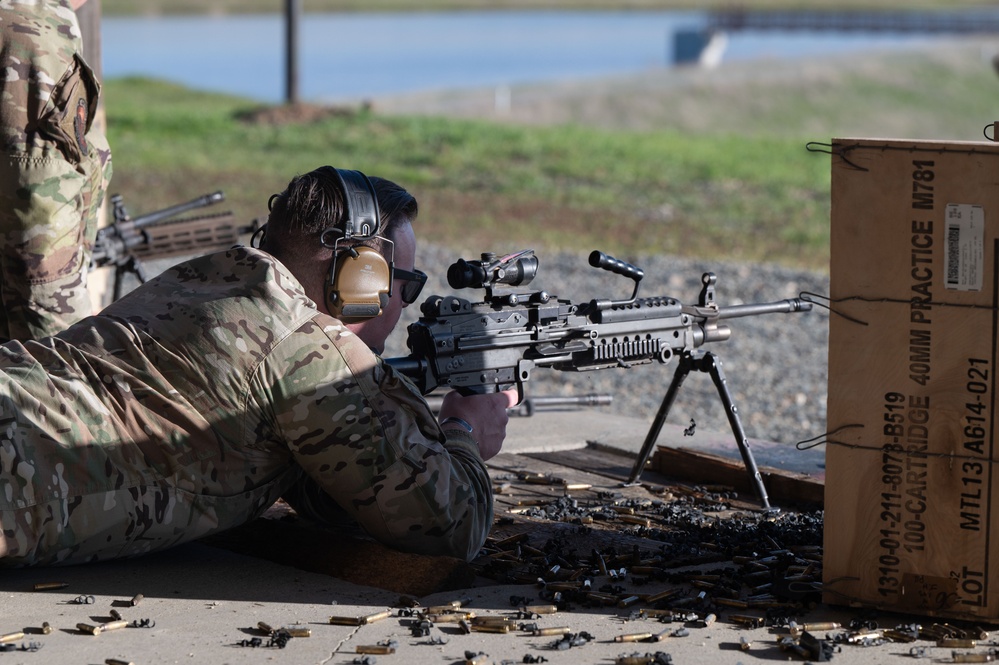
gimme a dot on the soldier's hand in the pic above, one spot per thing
(486, 414)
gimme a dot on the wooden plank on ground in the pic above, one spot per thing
(700, 467)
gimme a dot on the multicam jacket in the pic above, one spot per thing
(54, 168)
(191, 404)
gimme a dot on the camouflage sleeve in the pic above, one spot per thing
(367, 438)
(55, 165)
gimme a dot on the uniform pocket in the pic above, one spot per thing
(70, 111)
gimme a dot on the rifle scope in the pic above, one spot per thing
(513, 270)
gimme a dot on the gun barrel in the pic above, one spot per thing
(753, 309)
(200, 202)
(532, 405)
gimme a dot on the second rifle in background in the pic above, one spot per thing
(129, 241)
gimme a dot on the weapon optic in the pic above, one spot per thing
(496, 343)
(128, 241)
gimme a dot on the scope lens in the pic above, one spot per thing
(473, 275)
(465, 274)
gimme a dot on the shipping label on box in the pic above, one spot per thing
(911, 454)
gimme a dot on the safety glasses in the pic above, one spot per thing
(412, 283)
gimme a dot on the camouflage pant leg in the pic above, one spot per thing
(120, 523)
(45, 234)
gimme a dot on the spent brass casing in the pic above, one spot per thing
(46, 628)
(561, 630)
(491, 618)
(116, 615)
(298, 632)
(633, 637)
(633, 660)
(953, 642)
(628, 601)
(957, 657)
(112, 625)
(444, 609)
(662, 595)
(346, 621)
(655, 614)
(117, 661)
(492, 627)
(11, 637)
(578, 486)
(853, 638)
(375, 649)
(266, 627)
(377, 616)
(49, 586)
(450, 617)
(635, 519)
(827, 625)
(87, 628)
(605, 598)
(731, 602)
(136, 599)
(540, 609)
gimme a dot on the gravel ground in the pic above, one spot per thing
(775, 365)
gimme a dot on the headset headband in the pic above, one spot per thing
(363, 217)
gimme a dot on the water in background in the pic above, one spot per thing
(354, 56)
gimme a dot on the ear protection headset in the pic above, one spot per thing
(360, 279)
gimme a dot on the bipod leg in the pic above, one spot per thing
(132, 265)
(709, 363)
(682, 370)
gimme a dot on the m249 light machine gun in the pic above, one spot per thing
(129, 241)
(495, 344)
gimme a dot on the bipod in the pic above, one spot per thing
(132, 266)
(702, 361)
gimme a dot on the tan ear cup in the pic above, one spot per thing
(359, 287)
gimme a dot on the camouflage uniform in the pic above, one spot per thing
(191, 404)
(54, 169)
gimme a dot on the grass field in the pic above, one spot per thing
(686, 162)
(480, 182)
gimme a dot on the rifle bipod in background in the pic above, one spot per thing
(128, 241)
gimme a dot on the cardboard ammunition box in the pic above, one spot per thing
(911, 449)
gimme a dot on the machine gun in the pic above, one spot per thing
(477, 347)
(128, 241)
